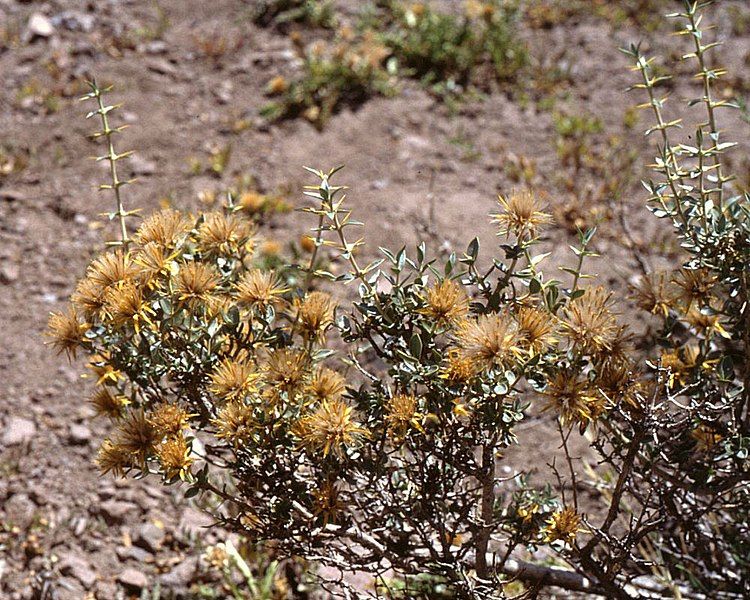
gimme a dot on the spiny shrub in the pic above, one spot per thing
(368, 436)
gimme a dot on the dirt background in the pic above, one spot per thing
(66, 532)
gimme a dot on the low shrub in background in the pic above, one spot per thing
(368, 436)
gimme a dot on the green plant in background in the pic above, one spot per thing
(368, 436)
(317, 13)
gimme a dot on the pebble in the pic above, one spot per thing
(39, 26)
(9, 273)
(18, 431)
(79, 435)
(133, 579)
(79, 569)
(181, 575)
(150, 537)
(142, 166)
(115, 511)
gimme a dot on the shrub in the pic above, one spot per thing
(367, 436)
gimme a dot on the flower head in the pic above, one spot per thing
(521, 215)
(113, 458)
(563, 525)
(155, 263)
(67, 331)
(536, 329)
(314, 314)
(235, 423)
(458, 368)
(655, 294)
(572, 398)
(136, 437)
(326, 384)
(401, 415)
(327, 503)
(331, 429)
(110, 269)
(166, 229)
(195, 282)
(446, 303)
(588, 321)
(174, 457)
(695, 285)
(234, 380)
(260, 289)
(489, 342)
(220, 234)
(108, 404)
(126, 305)
(169, 420)
(286, 370)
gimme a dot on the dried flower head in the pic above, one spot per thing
(195, 282)
(108, 404)
(88, 298)
(252, 202)
(136, 436)
(155, 263)
(286, 370)
(521, 215)
(104, 370)
(126, 304)
(110, 269)
(489, 342)
(234, 380)
(169, 420)
(277, 85)
(563, 525)
(655, 294)
(260, 289)
(113, 458)
(174, 457)
(589, 323)
(235, 423)
(331, 429)
(447, 303)
(706, 322)
(458, 368)
(221, 234)
(66, 331)
(313, 315)
(401, 415)
(695, 286)
(536, 329)
(166, 229)
(325, 384)
(327, 503)
(572, 399)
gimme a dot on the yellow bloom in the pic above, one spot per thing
(67, 331)
(233, 380)
(563, 525)
(327, 503)
(220, 234)
(136, 437)
(331, 429)
(521, 215)
(174, 457)
(235, 423)
(126, 304)
(447, 303)
(156, 265)
(313, 315)
(277, 85)
(166, 229)
(326, 385)
(107, 404)
(260, 289)
(401, 414)
(572, 399)
(489, 342)
(655, 294)
(286, 370)
(195, 282)
(536, 329)
(589, 323)
(169, 420)
(113, 458)
(458, 368)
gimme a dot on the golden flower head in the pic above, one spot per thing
(402, 414)
(695, 285)
(169, 420)
(221, 234)
(234, 380)
(66, 331)
(446, 303)
(113, 458)
(235, 423)
(174, 457)
(314, 314)
(521, 215)
(706, 322)
(458, 368)
(327, 503)
(536, 329)
(325, 384)
(108, 404)
(277, 85)
(260, 289)
(88, 298)
(616, 381)
(126, 304)
(106, 373)
(563, 525)
(589, 323)
(155, 263)
(252, 202)
(110, 269)
(572, 399)
(286, 370)
(166, 229)
(489, 342)
(655, 294)
(331, 429)
(195, 282)
(136, 436)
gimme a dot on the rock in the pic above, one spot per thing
(18, 431)
(137, 554)
(142, 166)
(115, 511)
(133, 579)
(11, 195)
(161, 66)
(74, 21)
(79, 435)
(150, 537)
(181, 575)
(79, 569)
(39, 26)
(154, 47)
(9, 272)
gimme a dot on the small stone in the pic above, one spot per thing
(132, 579)
(9, 272)
(18, 431)
(161, 66)
(138, 554)
(150, 537)
(115, 511)
(154, 47)
(79, 435)
(181, 575)
(79, 569)
(39, 26)
(74, 21)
